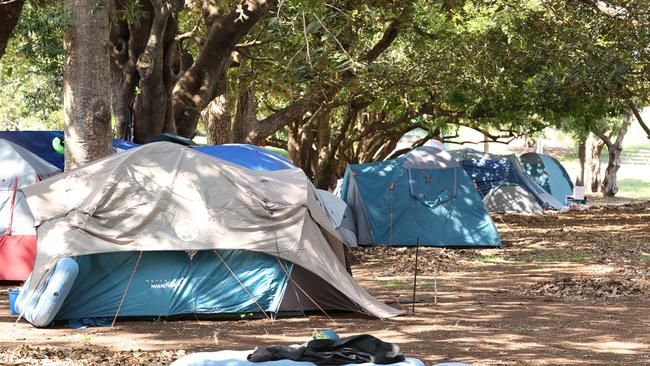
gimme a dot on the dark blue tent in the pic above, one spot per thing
(40, 143)
(488, 171)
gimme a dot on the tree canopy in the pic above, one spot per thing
(339, 81)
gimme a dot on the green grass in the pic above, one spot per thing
(645, 257)
(491, 258)
(604, 155)
(633, 148)
(634, 188)
(395, 284)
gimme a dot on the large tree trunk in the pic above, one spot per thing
(595, 146)
(152, 105)
(9, 15)
(128, 41)
(85, 81)
(610, 186)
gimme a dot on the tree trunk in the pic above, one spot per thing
(216, 116)
(582, 155)
(246, 109)
(198, 84)
(9, 15)
(128, 41)
(152, 104)
(85, 81)
(610, 186)
(595, 147)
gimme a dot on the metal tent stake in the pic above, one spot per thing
(415, 277)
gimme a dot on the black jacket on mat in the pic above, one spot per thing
(355, 349)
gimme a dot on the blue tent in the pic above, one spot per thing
(40, 143)
(488, 171)
(422, 196)
(248, 156)
(173, 283)
(548, 173)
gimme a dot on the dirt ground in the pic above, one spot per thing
(567, 289)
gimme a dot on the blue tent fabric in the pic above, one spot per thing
(40, 143)
(488, 171)
(248, 156)
(548, 173)
(400, 205)
(172, 283)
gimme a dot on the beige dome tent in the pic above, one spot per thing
(511, 198)
(166, 197)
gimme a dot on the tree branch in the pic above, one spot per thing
(640, 119)
(614, 12)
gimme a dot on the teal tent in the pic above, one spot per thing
(548, 173)
(424, 196)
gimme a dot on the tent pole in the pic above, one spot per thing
(415, 277)
(242, 285)
(128, 285)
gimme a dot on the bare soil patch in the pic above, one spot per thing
(566, 289)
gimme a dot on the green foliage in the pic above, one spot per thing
(507, 67)
(31, 70)
(130, 11)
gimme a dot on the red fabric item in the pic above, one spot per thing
(17, 253)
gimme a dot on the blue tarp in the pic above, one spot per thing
(548, 173)
(397, 205)
(172, 283)
(40, 143)
(248, 156)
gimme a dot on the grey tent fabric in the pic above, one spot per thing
(429, 157)
(19, 168)
(511, 198)
(163, 196)
(16, 161)
(341, 216)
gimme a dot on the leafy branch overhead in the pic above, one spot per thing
(340, 81)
